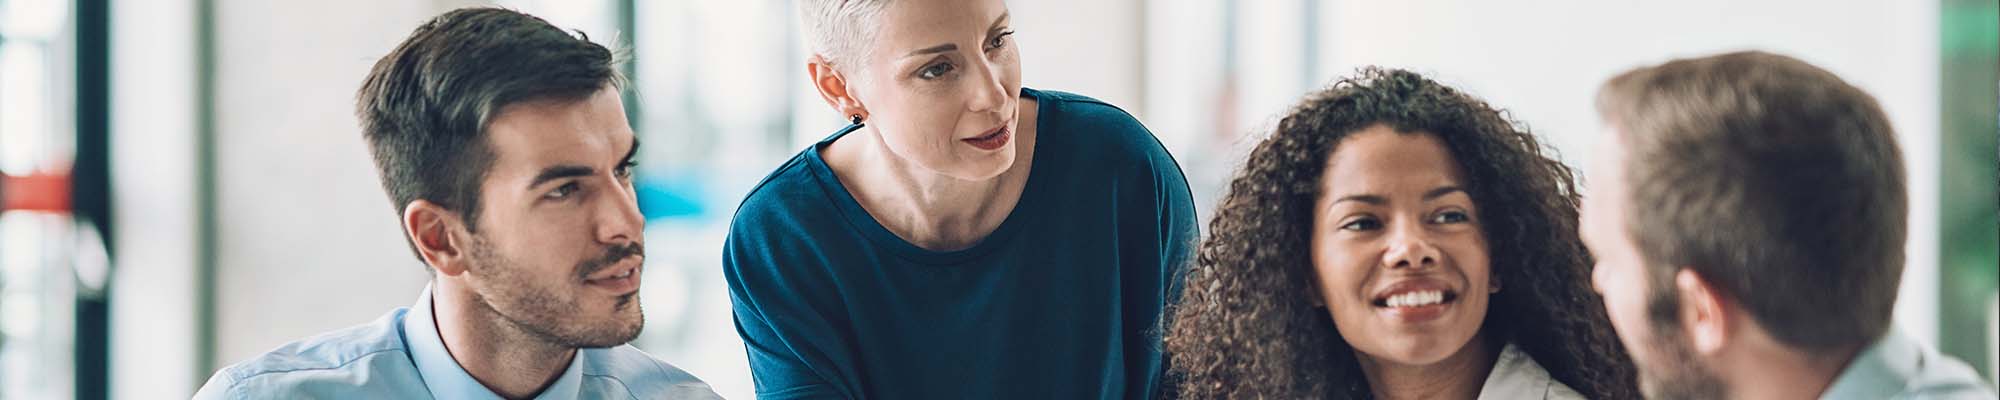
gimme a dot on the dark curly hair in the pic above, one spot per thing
(1245, 327)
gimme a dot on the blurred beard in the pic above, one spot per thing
(1675, 373)
(541, 309)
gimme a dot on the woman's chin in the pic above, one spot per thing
(1416, 350)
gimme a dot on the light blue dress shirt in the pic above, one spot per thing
(1898, 367)
(401, 356)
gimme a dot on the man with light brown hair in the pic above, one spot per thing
(1748, 218)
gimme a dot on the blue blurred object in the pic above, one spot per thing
(675, 193)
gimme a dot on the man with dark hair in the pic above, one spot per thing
(504, 146)
(1748, 219)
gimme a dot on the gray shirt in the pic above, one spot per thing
(1897, 367)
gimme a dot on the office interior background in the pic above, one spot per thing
(187, 186)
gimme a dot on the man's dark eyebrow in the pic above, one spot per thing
(559, 172)
(571, 170)
(1440, 192)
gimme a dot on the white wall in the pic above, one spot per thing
(307, 240)
(1094, 48)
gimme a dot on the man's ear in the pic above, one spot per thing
(1705, 313)
(833, 88)
(439, 235)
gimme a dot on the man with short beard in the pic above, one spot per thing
(1748, 218)
(503, 143)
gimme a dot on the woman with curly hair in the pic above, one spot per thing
(1396, 238)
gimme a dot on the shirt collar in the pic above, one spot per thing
(1880, 371)
(1515, 376)
(447, 380)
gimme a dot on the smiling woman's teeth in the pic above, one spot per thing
(1416, 299)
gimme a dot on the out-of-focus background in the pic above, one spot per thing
(186, 186)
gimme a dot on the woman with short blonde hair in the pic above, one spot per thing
(961, 236)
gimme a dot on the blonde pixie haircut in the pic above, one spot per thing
(840, 30)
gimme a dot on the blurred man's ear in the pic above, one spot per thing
(833, 88)
(1705, 314)
(440, 236)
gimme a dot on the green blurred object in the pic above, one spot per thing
(1969, 44)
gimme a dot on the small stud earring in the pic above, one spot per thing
(854, 119)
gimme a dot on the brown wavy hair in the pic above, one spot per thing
(1245, 327)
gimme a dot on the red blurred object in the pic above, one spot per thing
(47, 192)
